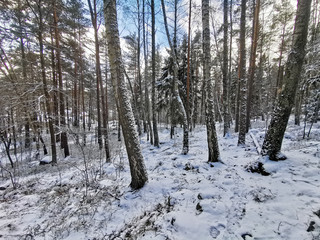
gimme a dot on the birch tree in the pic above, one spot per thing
(213, 147)
(146, 90)
(130, 135)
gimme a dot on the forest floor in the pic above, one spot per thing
(185, 197)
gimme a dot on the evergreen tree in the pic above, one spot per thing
(175, 94)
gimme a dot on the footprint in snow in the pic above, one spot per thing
(215, 231)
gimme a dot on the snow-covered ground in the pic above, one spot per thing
(185, 197)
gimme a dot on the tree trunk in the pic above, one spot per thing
(64, 136)
(75, 105)
(230, 59)
(261, 105)
(136, 162)
(280, 67)
(226, 114)
(146, 91)
(297, 107)
(14, 134)
(106, 118)
(273, 140)
(7, 143)
(55, 87)
(153, 60)
(176, 99)
(189, 69)
(93, 13)
(213, 147)
(140, 97)
(237, 102)
(45, 88)
(242, 76)
(27, 144)
(252, 66)
(195, 93)
(81, 92)
(237, 107)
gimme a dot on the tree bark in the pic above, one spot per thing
(140, 97)
(27, 144)
(153, 60)
(230, 59)
(242, 76)
(45, 87)
(176, 99)
(280, 67)
(93, 13)
(189, 69)
(273, 140)
(75, 103)
(64, 136)
(146, 90)
(213, 147)
(106, 117)
(297, 107)
(252, 66)
(226, 114)
(136, 162)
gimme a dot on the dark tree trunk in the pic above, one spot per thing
(230, 59)
(280, 66)
(274, 136)
(242, 76)
(45, 151)
(55, 88)
(93, 13)
(297, 108)
(27, 143)
(7, 143)
(45, 88)
(252, 66)
(146, 91)
(119, 126)
(14, 134)
(226, 114)
(189, 69)
(81, 96)
(75, 105)
(64, 136)
(195, 94)
(153, 60)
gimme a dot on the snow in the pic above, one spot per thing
(46, 159)
(185, 197)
